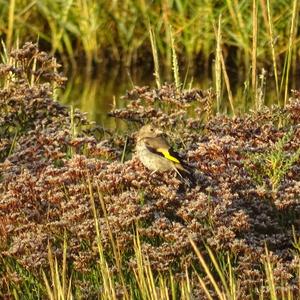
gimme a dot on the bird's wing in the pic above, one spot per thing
(160, 146)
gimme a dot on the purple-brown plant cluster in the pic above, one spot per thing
(49, 175)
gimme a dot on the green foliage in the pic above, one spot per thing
(21, 283)
(273, 164)
(118, 30)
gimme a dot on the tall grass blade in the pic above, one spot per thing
(270, 276)
(4, 53)
(175, 65)
(172, 286)
(254, 50)
(204, 288)
(207, 271)
(109, 291)
(11, 18)
(64, 267)
(114, 244)
(124, 151)
(48, 288)
(218, 66)
(155, 58)
(58, 288)
(260, 90)
(227, 83)
(219, 271)
(143, 273)
(271, 35)
(290, 49)
(232, 280)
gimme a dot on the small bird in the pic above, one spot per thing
(156, 154)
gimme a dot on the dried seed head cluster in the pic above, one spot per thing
(49, 177)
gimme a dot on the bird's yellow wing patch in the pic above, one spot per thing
(167, 155)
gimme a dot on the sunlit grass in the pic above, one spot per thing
(118, 31)
(77, 21)
(215, 279)
(94, 34)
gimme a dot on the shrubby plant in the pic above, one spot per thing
(114, 225)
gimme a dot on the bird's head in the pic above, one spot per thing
(148, 131)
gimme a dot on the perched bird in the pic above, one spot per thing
(156, 154)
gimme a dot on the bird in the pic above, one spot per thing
(155, 153)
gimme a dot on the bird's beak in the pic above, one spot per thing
(159, 132)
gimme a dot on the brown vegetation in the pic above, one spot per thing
(50, 159)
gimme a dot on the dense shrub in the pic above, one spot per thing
(53, 162)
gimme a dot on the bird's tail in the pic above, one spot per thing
(186, 172)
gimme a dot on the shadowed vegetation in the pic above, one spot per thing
(77, 221)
